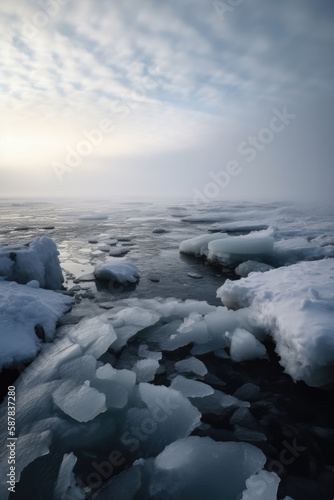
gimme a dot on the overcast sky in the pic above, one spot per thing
(192, 98)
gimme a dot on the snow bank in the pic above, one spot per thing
(295, 305)
(37, 260)
(22, 308)
(117, 271)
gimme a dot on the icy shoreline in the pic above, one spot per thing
(140, 383)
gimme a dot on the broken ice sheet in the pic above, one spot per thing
(82, 403)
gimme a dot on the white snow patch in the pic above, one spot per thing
(295, 304)
(21, 309)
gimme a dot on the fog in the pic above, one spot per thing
(189, 99)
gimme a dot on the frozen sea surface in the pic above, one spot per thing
(135, 396)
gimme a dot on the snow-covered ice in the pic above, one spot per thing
(236, 249)
(294, 304)
(22, 308)
(37, 260)
(117, 271)
(199, 245)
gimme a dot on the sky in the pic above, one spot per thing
(199, 99)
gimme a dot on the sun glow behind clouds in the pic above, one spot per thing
(24, 151)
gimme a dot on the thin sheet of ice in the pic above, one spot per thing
(81, 402)
(193, 365)
(191, 388)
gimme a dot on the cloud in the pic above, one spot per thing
(215, 80)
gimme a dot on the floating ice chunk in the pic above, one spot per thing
(191, 388)
(129, 321)
(79, 370)
(94, 216)
(169, 416)
(193, 365)
(194, 275)
(199, 245)
(143, 352)
(244, 346)
(218, 403)
(248, 392)
(261, 486)
(201, 468)
(111, 242)
(245, 434)
(118, 251)
(238, 249)
(117, 271)
(65, 476)
(242, 416)
(104, 247)
(82, 403)
(115, 384)
(22, 308)
(94, 335)
(251, 266)
(193, 329)
(295, 304)
(146, 369)
(159, 230)
(36, 261)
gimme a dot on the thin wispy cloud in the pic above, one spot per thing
(65, 67)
